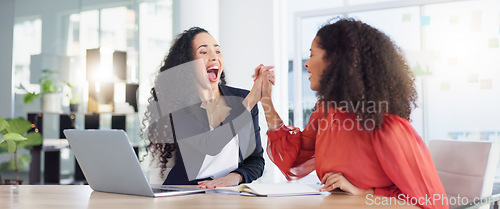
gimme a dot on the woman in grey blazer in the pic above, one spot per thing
(210, 130)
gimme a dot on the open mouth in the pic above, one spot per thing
(213, 72)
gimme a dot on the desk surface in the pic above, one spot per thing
(80, 196)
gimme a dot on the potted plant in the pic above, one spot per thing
(74, 102)
(50, 91)
(15, 136)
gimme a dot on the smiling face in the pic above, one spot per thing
(205, 47)
(316, 64)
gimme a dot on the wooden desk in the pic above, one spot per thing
(82, 196)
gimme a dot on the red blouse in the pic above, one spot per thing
(393, 160)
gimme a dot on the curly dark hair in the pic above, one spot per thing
(366, 70)
(181, 52)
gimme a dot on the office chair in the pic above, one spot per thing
(467, 170)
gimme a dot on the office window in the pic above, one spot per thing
(69, 29)
(155, 36)
(114, 22)
(89, 30)
(361, 2)
(73, 40)
(463, 43)
(27, 42)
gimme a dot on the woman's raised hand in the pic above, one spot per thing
(267, 84)
(262, 68)
(255, 95)
(266, 74)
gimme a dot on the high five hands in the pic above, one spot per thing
(266, 76)
(263, 80)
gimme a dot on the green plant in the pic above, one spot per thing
(74, 99)
(15, 136)
(47, 83)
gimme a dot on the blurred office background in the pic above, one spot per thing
(452, 46)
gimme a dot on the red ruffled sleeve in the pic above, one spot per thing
(292, 150)
(405, 159)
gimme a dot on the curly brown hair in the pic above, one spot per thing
(367, 72)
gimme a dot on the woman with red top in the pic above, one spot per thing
(359, 137)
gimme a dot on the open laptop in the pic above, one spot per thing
(110, 164)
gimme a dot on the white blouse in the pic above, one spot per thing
(221, 164)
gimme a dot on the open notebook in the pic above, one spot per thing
(268, 190)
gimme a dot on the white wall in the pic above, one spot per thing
(249, 35)
(246, 38)
(6, 36)
(190, 13)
